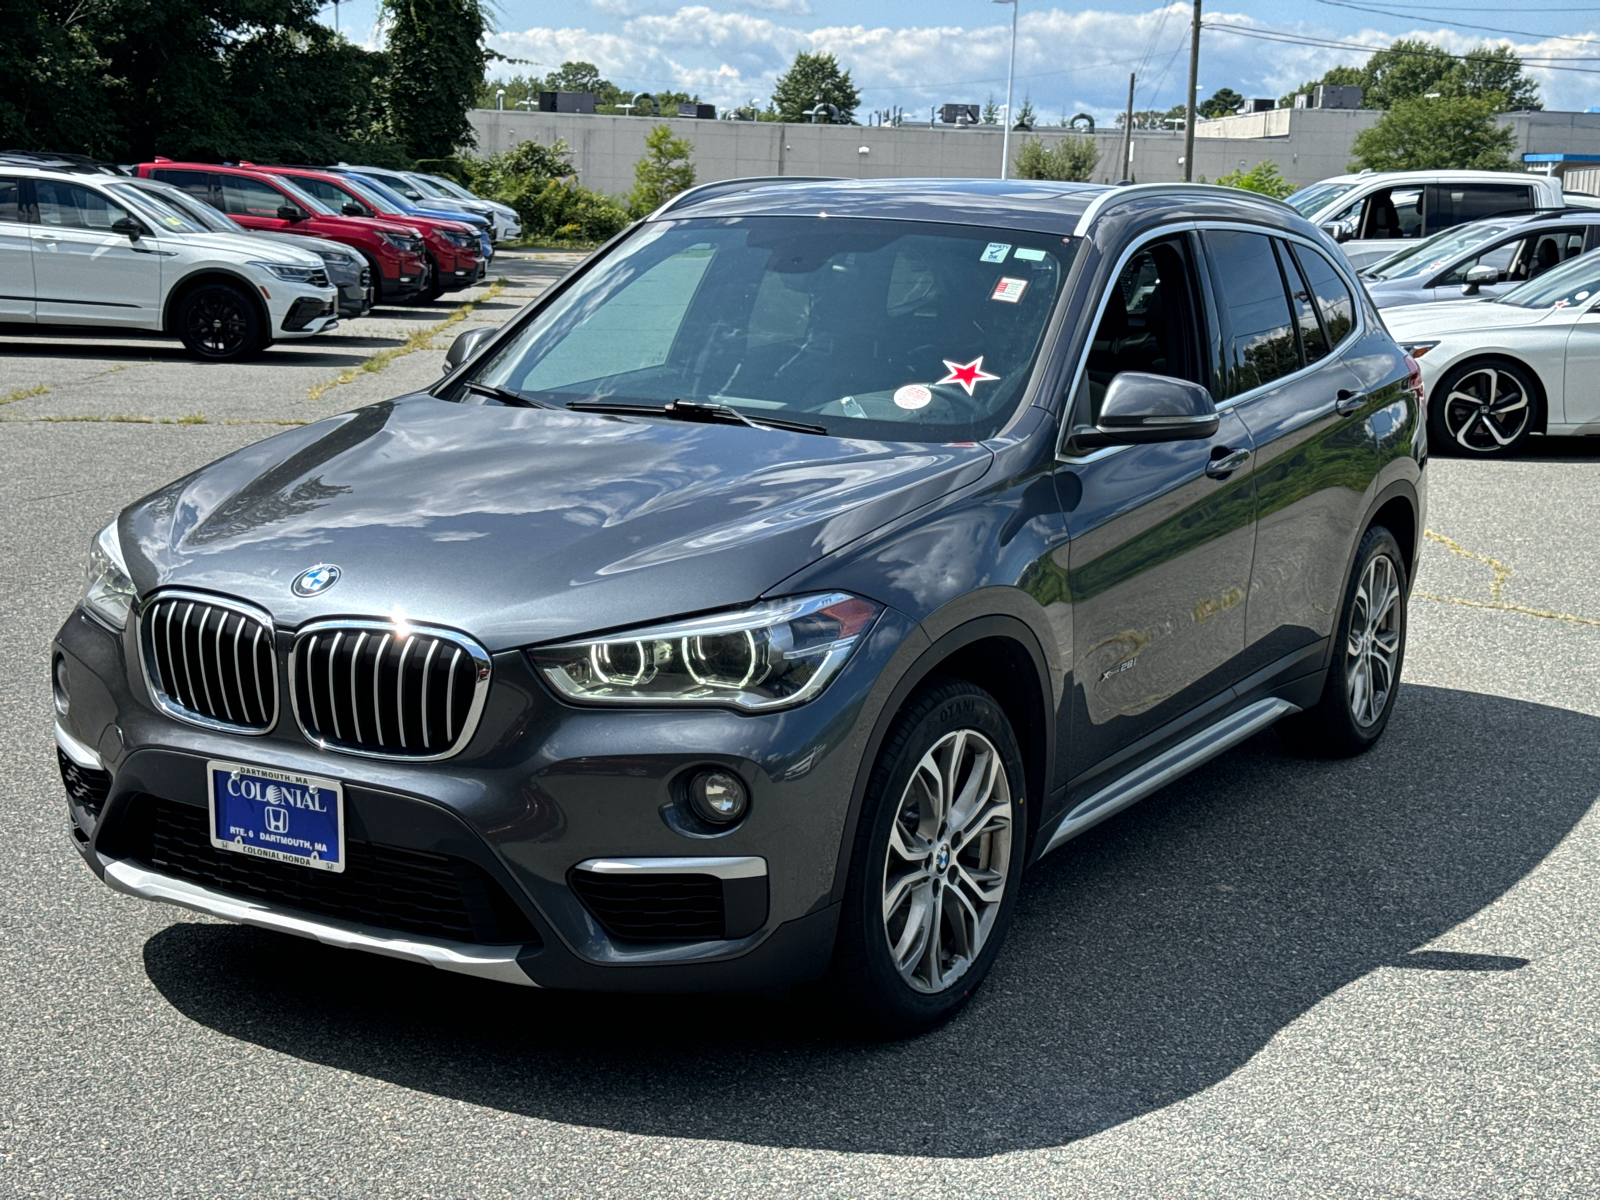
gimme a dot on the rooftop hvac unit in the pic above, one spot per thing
(702, 112)
(1257, 104)
(1326, 95)
(566, 102)
(960, 114)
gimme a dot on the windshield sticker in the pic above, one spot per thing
(968, 375)
(1028, 254)
(913, 396)
(1008, 289)
(995, 252)
(1559, 304)
(1581, 296)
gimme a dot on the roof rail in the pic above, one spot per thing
(1120, 192)
(731, 186)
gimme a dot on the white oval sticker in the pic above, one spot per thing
(1581, 296)
(913, 395)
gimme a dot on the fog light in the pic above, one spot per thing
(718, 796)
(63, 697)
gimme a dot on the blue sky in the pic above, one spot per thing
(1068, 60)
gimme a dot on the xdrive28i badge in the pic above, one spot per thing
(316, 580)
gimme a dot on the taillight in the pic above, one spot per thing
(1414, 379)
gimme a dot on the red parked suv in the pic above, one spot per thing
(394, 249)
(454, 251)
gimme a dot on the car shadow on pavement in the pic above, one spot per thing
(1149, 960)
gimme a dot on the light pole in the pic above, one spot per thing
(1011, 69)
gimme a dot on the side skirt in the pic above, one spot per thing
(1168, 766)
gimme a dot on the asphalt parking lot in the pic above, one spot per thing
(1277, 978)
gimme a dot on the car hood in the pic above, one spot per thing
(1458, 316)
(524, 525)
(247, 247)
(300, 241)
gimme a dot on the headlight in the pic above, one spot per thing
(334, 256)
(776, 654)
(108, 592)
(288, 271)
(461, 239)
(401, 241)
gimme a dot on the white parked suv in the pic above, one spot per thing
(73, 252)
(1372, 214)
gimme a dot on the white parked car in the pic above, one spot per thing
(1371, 213)
(507, 224)
(72, 252)
(1497, 371)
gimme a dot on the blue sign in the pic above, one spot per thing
(279, 815)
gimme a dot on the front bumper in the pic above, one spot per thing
(541, 790)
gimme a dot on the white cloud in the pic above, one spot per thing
(1066, 61)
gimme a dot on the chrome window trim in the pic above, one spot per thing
(481, 663)
(176, 711)
(747, 866)
(1357, 332)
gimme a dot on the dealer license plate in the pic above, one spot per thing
(279, 815)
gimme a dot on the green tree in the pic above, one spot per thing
(811, 76)
(1221, 104)
(1407, 70)
(1025, 115)
(1423, 135)
(991, 111)
(52, 80)
(1411, 68)
(538, 181)
(664, 171)
(1487, 72)
(1264, 177)
(436, 60)
(1070, 158)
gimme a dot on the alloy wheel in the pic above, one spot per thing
(948, 861)
(217, 322)
(1372, 647)
(1487, 410)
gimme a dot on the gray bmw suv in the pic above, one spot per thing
(756, 605)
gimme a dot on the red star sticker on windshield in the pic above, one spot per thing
(966, 374)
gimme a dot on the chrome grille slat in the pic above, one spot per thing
(416, 683)
(184, 639)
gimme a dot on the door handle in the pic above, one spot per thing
(1348, 403)
(1225, 460)
(48, 237)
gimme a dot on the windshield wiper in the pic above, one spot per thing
(693, 410)
(506, 396)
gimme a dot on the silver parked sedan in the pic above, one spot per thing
(1486, 258)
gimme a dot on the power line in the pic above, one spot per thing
(1272, 35)
(1586, 39)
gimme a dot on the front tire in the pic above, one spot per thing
(937, 860)
(1483, 409)
(219, 323)
(1368, 655)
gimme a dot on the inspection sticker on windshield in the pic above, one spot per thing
(280, 815)
(913, 395)
(1029, 254)
(1008, 289)
(995, 252)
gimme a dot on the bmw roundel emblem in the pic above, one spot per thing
(316, 581)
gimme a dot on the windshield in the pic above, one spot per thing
(427, 187)
(1317, 197)
(201, 214)
(450, 188)
(1570, 285)
(159, 211)
(390, 199)
(895, 330)
(1438, 250)
(302, 197)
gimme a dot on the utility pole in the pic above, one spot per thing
(1127, 130)
(1011, 71)
(1189, 107)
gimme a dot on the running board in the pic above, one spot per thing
(1169, 765)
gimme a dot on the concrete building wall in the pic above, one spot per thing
(605, 149)
(1553, 132)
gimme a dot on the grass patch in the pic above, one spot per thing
(37, 389)
(422, 339)
(550, 244)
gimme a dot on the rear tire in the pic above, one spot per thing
(1368, 655)
(936, 864)
(1483, 409)
(219, 323)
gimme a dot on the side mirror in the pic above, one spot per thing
(128, 227)
(1140, 409)
(1340, 231)
(462, 348)
(288, 212)
(1477, 277)
(352, 209)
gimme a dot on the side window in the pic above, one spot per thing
(1313, 339)
(68, 206)
(1552, 249)
(11, 200)
(1451, 204)
(1334, 302)
(246, 197)
(328, 193)
(199, 184)
(1261, 344)
(1392, 213)
(1509, 258)
(1151, 324)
